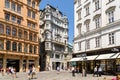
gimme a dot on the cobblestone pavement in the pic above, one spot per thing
(54, 75)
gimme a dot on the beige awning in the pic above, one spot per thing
(76, 59)
(92, 57)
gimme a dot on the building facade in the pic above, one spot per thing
(54, 33)
(19, 24)
(96, 34)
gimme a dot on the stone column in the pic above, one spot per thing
(23, 47)
(21, 64)
(4, 62)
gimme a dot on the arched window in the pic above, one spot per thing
(19, 47)
(14, 32)
(25, 35)
(14, 46)
(30, 49)
(20, 34)
(8, 30)
(1, 28)
(1, 45)
(8, 45)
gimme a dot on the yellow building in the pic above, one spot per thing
(19, 34)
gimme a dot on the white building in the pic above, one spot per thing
(54, 33)
(97, 32)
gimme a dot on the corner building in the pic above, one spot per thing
(97, 35)
(54, 38)
(19, 34)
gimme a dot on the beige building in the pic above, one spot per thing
(19, 34)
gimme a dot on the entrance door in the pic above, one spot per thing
(13, 63)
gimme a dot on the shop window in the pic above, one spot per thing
(1, 28)
(8, 30)
(14, 46)
(8, 45)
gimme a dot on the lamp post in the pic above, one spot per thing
(84, 55)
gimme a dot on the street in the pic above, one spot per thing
(54, 75)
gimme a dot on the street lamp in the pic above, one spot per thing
(84, 55)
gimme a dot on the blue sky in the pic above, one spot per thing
(67, 8)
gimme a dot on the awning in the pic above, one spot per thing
(92, 57)
(76, 59)
(105, 56)
(116, 55)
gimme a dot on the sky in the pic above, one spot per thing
(67, 8)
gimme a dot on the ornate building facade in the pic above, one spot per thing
(19, 24)
(96, 34)
(54, 33)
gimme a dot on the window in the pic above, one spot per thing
(25, 35)
(87, 44)
(29, 13)
(26, 48)
(19, 47)
(87, 10)
(20, 34)
(33, 25)
(57, 56)
(87, 27)
(111, 16)
(1, 28)
(8, 45)
(7, 3)
(29, 2)
(79, 2)
(97, 39)
(18, 8)
(30, 49)
(79, 14)
(14, 32)
(13, 18)
(35, 49)
(1, 45)
(29, 24)
(30, 36)
(111, 38)
(33, 15)
(35, 37)
(14, 46)
(97, 22)
(13, 6)
(8, 30)
(19, 21)
(79, 46)
(33, 4)
(79, 28)
(7, 16)
(97, 5)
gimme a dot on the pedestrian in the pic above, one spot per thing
(33, 71)
(95, 71)
(99, 71)
(29, 73)
(73, 71)
(83, 72)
